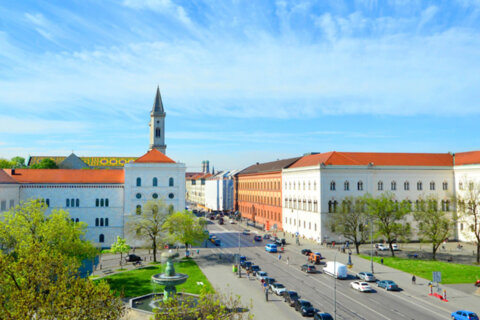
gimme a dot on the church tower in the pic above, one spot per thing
(157, 125)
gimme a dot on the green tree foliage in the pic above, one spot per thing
(120, 246)
(27, 223)
(147, 223)
(39, 269)
(468, 208)
(389, 217)
(45, 164)
(6, 164)
(18, 162)
(349, 220)
(186, 228)
(433, 224)
(210, 306)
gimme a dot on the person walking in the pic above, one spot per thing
(288, 260)
(381, 261)
(414, 279)
(279, 257)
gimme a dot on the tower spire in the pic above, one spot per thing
(157, 103)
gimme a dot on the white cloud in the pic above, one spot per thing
(162, 6)
(12, 125)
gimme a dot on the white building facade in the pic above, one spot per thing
(219, 191)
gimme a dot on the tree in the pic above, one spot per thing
(468, 208)
(28, 223)
(388, 216)
(349, 220)
(209, 306)
(120, 246)
(433, 225)
(18, 162)
(46, 163)
(186, 228)
(6, 164)
(148, 223)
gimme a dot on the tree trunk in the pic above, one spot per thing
(186, 248)
(391, 249)
(357, 245)
(478, 252)
(154, 250)
(121, 258)
(434, 251)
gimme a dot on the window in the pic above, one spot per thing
(3, 205)
(170, 182)
(139, 182)
(76, 220)
(419, 185)
(77, 203)
(360, 185)
(97, 202)
(72, 202)
(155, 182)
(157, 132)
(155, 195)
(393, 186)
(106, 202)
(101, 238)
(460, 185)
(380, 185)
(138, 195)
(106, 222)
(171, 195)
(138, 210)
(461, 226)
(406, 186)
(47, 202)
(346, 186)
(332, 185)
(102, 202)
(101, 222)
(432, 185)
(68, 203)
(315, 186)
(445, 186)
(96, 222)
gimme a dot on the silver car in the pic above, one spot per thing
(367, 276)
(261, 275)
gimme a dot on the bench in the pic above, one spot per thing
(108, 271)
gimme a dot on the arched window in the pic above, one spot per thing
(360, 185)
(170, 182)
(72, 202)
(138, 210)
(330, 206)
(106, 202)
(332, 185)
(96, 222)
(406, 185)
(447, 205)
(445, 186)
(157, 132)
(101, 238)
(76, 220)
(393, 186)
(106, 222)
(346, 186)
(419, 185)
(139, 182)
(380, 186)
(432, 185)
(68, 202)
(102, 203)
(101, 222)
(97, 202)
(77, 203)
(335, 204)
(47, 202)
(155, 182)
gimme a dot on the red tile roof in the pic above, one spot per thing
(5, 178)
(377, 159)
(67, 176)
(154, 156)
(462, 158)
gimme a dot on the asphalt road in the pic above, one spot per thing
(319, 288)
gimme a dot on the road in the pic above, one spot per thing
(319, 288)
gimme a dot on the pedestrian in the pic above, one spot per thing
(376, 253)
(279, 257)
(381, 261)
(266, 294)
(288, 260)
(414, 279)
(198, 252)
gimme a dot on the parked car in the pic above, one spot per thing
(367, 276)
(464, 315)
(220, 221)
(242, 258)
(306, 252)
(315, 257)
(277, 288)
(261, 275)
(361, 286)
(322, 316)
(246, 265)
(395, 247)
(381, 247)
(257, 238)
(336, 269)
(271, 247)
(246, 231)
(232, 221)
(308, 268)
(266, 236)
(280, 242)
(269, 280)
(255, 269)
(133, 258)
(290, 297)
(304, 307)
(388, 285)
(217, 242)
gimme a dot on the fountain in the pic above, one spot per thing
(169, 279)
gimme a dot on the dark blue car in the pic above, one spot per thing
(464, 315)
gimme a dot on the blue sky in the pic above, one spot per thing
(241, 81)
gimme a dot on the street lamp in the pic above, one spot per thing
(239, 272)
(335, 275)
(371, 245)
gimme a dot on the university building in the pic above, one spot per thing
(103, 198)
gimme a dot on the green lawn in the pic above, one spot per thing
(137, 282)
(451, 272)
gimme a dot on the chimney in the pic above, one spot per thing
(13, 171)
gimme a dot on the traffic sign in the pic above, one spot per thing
(437, 276)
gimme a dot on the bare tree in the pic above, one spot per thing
(468, 208)
(148, 222)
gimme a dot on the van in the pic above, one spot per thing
(336, 269)
(271, 247)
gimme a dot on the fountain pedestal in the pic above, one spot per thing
(170, 279)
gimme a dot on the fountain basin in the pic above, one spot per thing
(151, 301)
(166, 280)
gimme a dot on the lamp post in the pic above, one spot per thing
(371, 245)
(335, 275)
(239, 272)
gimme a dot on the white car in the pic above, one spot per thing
(395, 247)
(381, 247)
(278, 288)
(366, 276)
(360, 286)
(232, 222)
(261, 275)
